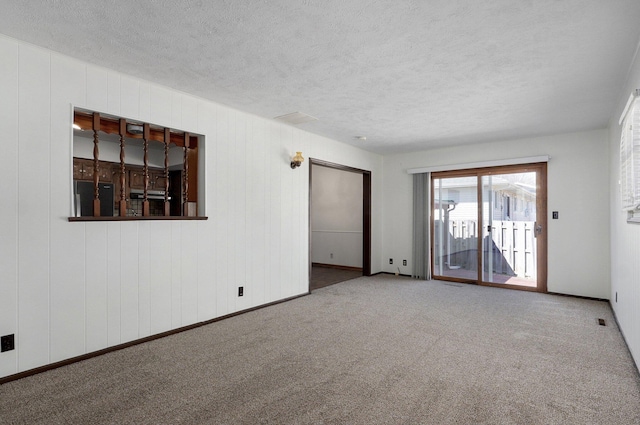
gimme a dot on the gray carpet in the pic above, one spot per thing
(381, 350)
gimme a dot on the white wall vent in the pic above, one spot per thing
(296, 118)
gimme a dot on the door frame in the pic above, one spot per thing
(541, 219)
(366, 211)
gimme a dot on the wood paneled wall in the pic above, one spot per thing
(72, 288)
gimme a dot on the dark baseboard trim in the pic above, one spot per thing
(335, 266)
(87, 356)
(393, 274)
(578, 296)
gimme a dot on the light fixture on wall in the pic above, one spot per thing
(135, 128)
(296, 161)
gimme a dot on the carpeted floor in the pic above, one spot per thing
(379, 350)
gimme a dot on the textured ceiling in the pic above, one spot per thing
(408, 75)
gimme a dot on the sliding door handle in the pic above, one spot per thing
(537, 229)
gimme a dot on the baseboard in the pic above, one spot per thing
(578, 296)
(335, 266)
(624, 338)
(87, 356)
(393, 274)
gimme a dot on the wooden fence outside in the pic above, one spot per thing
(513, 245)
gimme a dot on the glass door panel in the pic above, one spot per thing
(509, 245)
(455, 220)
(489, 226)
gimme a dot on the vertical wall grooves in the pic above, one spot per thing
(197, 274)
(121, 291)
(49, 206)
(94, 270)
(106, 290)
(17, 206)
(138, 266)
(86, 292)
(171, 286)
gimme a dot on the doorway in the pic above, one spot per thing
(489, 226)
(339, 223)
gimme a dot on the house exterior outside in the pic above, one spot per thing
(509, 204)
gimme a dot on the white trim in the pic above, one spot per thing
(73, 202)
(626, 107)
(337, 231)
(632, 218)
(481, 164)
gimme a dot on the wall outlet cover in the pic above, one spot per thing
(7, 343)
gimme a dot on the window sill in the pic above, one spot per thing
(633, 216)
(135, 218)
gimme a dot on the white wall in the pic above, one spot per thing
(73, 288)
(625, 237)
(336, 216)
(578, 243)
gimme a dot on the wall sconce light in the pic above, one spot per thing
(135, 128)
(296, 161)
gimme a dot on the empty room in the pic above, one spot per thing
(475, 190)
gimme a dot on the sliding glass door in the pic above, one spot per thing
(489, 226)
(455, 211)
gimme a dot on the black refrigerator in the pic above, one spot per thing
(83, 191)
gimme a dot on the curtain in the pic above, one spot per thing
(421, 226)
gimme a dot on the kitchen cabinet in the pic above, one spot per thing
(136, 178)
(157, 179)
(110, 173)
(83, 170)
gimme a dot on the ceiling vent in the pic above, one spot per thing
(295, 118)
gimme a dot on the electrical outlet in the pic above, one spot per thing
(240, 291)
(331, 255)
(404, 262)
(554, 215)
(390, 260)
(7, 343)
